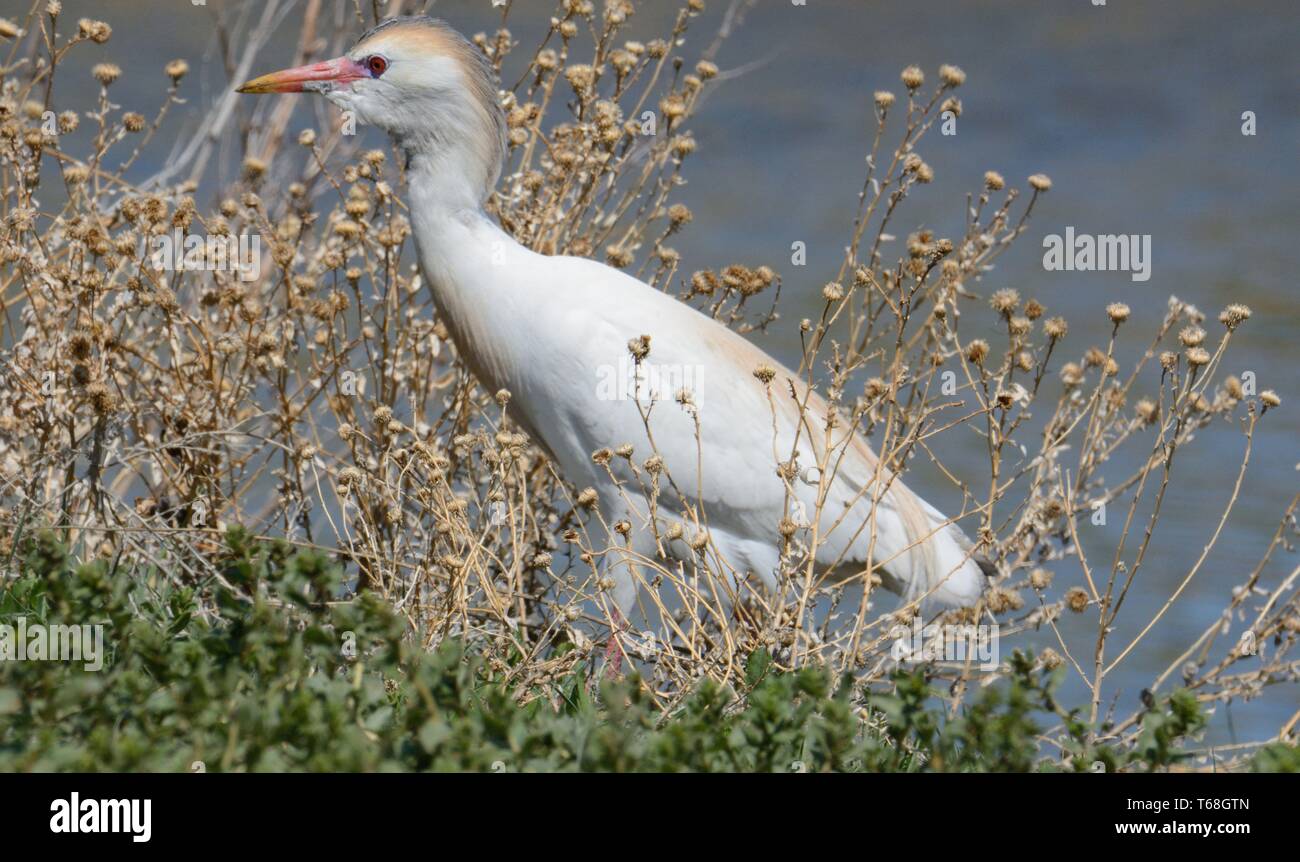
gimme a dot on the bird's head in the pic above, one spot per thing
(419, 80)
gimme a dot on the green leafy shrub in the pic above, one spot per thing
(287, 674)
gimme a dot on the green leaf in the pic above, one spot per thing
(756, 666)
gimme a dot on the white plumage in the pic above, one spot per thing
(552, 329)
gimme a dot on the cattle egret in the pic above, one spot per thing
(549, 329)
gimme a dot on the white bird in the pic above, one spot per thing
(549, 328)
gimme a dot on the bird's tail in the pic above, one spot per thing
(941, 566)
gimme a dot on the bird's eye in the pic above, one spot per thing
(376, 64)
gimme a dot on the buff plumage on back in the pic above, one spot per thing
(934, 561)
(415, 35)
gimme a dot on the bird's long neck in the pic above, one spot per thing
(450, 169)
(470, 263)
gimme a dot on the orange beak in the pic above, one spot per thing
(313, 77)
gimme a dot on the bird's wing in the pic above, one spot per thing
(725, 450)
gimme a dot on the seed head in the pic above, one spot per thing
(106, 73)
(977, 351)
(1198, 356)
(254, 168)
(1005, 301)
(1269, 398)
(1000, 600)
(581, 77)
(1040, 182)
(1118, 312)
(95, 31)
(673, 107)
(1234, 315)
(952, 76)
(1071, 374)
(913, 77)
(994, 181)
(639, 347)
(79, 345)
(176, 70)
(1192, 336)
(1040, 579)
(884, 99)
(765, 373)
(1077, 599)
(618, 256)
